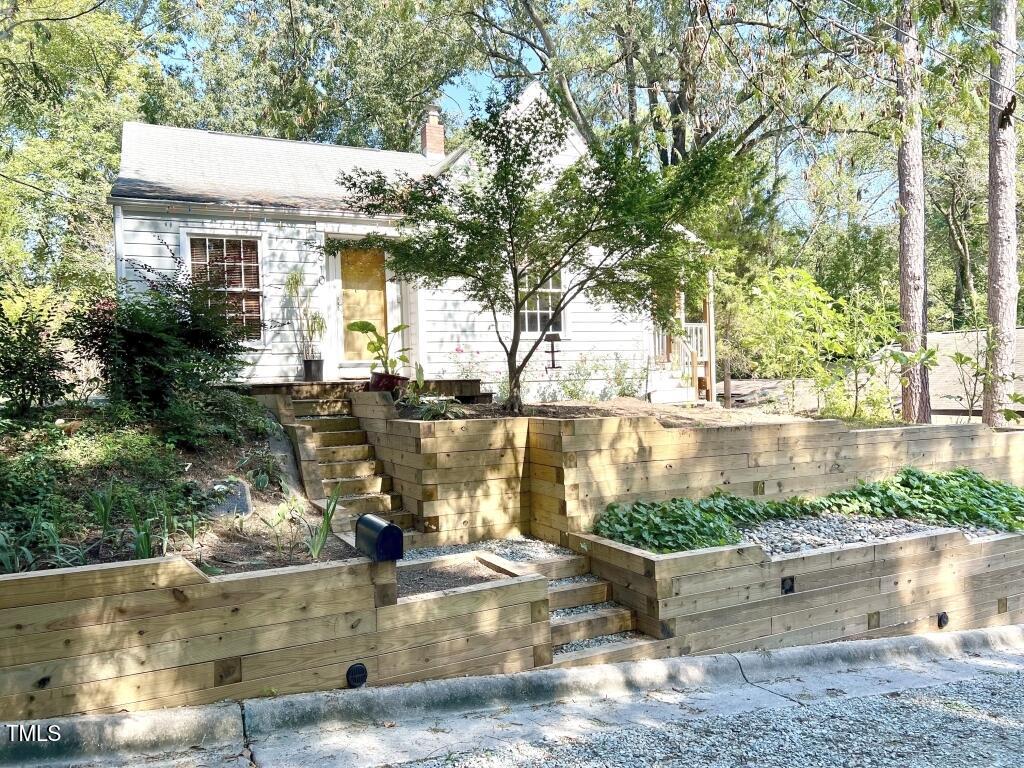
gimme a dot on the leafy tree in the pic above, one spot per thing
(33, 363)
(512, 221)
(354, 72)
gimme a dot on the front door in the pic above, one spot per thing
(363, 297)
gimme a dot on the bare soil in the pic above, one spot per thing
(627, 407)
(416, 581)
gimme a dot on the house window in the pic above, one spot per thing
(539, 307)
(232, 265)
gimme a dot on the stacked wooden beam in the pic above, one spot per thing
(158, 633)
(736, 598)
(462, 480)
(579, 467)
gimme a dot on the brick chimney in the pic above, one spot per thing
(432, 134)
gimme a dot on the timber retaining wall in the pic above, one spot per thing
(158, 633)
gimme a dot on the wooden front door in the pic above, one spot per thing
(363, 297)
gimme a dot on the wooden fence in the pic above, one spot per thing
(736, 598)
(157, 633)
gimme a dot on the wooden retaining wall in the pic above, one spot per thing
(463, 480)
(736, 598)
(578, 467)
(158, 633)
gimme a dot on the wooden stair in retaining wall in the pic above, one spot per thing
(348, 462)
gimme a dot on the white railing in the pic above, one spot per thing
(695, 335)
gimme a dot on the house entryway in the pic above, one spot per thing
(363, 297)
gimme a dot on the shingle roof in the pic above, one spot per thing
(181, 164)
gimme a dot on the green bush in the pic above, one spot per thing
(33, 365)
(955, 498)
(153, 345)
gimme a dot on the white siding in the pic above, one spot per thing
(152, 240)
(598, 333)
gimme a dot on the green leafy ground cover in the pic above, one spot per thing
(961, 497)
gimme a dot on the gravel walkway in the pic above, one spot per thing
(803, 533)
(975, 723)
(520, 549)
(561, 613)
(596, 642)
(586, 578)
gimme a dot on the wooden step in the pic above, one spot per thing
(332, 470)
(322, 390)
(584, 593)
(322, 407)
(557, 567)
(344, 453)
(357, 486)
(376, 503)
(344, 524)
(625, 650)
(346, 437)
(330, 423)
(582, 626)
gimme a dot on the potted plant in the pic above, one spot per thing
(385, 358)
(310, 326)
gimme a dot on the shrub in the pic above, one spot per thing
(33, 365)
(956, 498)
(174, 337)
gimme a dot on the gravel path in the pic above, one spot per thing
(596, 642)
(803, 533)
(520, 549)
(561, 613)
(586, 578)
(974, 723)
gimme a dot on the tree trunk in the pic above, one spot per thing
(514, 402)
(910, 170)
(1002, 216)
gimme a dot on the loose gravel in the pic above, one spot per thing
(596, 642)
(518, 549)
(586, 578)
(561, 613)
(969, 724)
(799, 534)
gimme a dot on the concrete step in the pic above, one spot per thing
(346, 437)
(594, 623)
(583, 593)
(332, 470)
(358, 486)
(338, 453)
(330, 423)
(330, 407)
(631, 649)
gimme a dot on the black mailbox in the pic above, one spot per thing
(378, 539)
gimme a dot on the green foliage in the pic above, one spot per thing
(961, 497)
(261, 467)
(33, 364)
(380, 346)
(320, 533)
(310, 325)
(515, 220)
(156, 345)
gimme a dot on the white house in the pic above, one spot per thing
(254, 209)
